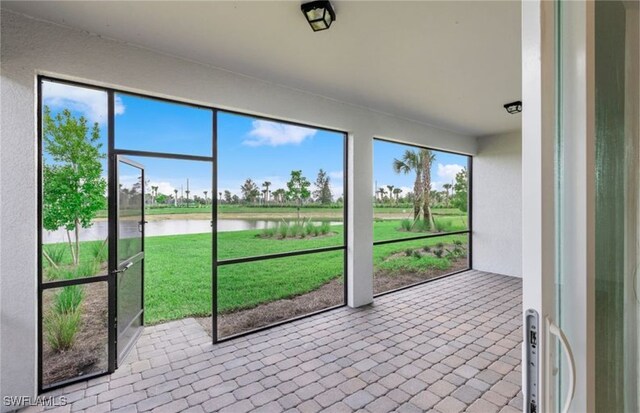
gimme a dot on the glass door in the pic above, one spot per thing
(580, 202)
(130, 254)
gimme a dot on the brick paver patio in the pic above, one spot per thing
(451, 345)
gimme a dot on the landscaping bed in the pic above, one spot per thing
(328, 295)
(88, 353)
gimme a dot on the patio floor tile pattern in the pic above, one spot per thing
(450, 345)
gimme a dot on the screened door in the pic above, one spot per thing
(130, 254)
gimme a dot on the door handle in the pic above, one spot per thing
(123, 269)
(553, 329)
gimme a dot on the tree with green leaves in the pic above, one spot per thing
(265, 191)
(73, 186)
(279, 195)
(298, 189)
(250, 191)
(460, 198)
(322, 194)
(447, 188)
(419, 163)
(227, 196)
(397, 192)
(390, 188)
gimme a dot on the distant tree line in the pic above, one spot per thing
(297, 191)
(452, 195)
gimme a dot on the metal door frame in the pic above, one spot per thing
(114, 266)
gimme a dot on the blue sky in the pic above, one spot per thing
(443, 170)
(247, 147)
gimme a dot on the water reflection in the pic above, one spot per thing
(99, 229)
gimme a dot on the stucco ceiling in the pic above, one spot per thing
(451, 64)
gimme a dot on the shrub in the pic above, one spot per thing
(99, 251)
(316, 230)
(296, 230)
(444, 225)
(416, 254)
(53, 274)
(440, 245)
(61, 329)
(325, 228)
(406, 224)
(68, 300)
(87, 269)
(426, 248)
(283, 230)
(408, 252)
(438, 252)
(421, 226)
(56, 252)
(309, 228)
(269, 232)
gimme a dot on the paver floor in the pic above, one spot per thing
(450, 345)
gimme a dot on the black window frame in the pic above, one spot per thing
(468, 231)
(112, 153)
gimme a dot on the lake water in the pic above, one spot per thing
(99, 229)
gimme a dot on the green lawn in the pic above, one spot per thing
(178, 267)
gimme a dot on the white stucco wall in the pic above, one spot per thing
(30, 47)
(497, 204)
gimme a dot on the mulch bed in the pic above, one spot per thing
(89, 352)
(386, 281)
(329, 295)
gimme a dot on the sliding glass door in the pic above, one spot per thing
(581, 141)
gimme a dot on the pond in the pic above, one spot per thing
(99, 229)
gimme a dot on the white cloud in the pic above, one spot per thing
(91, 103)
(336, 175)
(447, 173)
(163, 187)
(266, 133)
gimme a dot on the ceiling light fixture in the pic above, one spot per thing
(319, 14)
(513, 107)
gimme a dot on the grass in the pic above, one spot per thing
(178, 267)
(60, 329)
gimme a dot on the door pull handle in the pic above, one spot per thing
(123, 269)
(553, 329)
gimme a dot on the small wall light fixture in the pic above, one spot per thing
(319, 14)
(513, 107)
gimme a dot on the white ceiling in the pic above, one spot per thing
(451, 64)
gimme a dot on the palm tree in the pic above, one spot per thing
(420, 164)
(411, 162)
(447, 187)
(427, 159)
(154, 194)
(266, 185)
(278, 195)
(175, 198)
(381, 191)
(205, 197)
(397, 192)
(390, 187)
